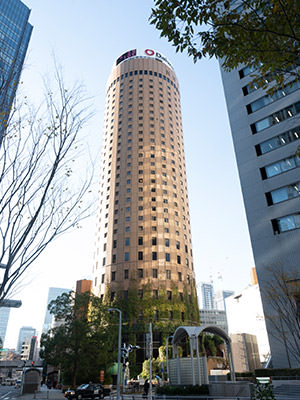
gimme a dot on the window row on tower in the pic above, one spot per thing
(155, 256)
(154, 273)
(143, 72)
(155, 295)
(156, 315)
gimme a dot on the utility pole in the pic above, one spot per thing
(167, 356)
(150, 360)
(119, 349)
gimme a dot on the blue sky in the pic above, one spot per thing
(86, 36)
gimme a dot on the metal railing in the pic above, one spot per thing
(177, 397)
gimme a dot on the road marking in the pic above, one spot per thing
(5, 395)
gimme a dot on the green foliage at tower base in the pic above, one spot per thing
(138, 310)
(166, 315)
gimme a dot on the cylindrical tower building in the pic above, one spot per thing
(143, 260)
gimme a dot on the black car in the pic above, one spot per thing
(87, 391)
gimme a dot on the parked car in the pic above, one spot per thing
(87, 391)
(9, 382)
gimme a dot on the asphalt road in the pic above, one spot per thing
(8, 392)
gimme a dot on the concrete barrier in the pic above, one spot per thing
(230, 389)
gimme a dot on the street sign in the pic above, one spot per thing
(102, 376)
(162, 367)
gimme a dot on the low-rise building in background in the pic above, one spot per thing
(214, 317)
(245, 315)
(245, 352)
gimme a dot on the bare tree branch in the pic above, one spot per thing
(281, 291)
(41, 197)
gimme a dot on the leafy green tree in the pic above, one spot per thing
(82, 342)
(155, 368)
(210, 345)
(262, 33)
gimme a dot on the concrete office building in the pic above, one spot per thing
(53, 293)
(143, 240)
(29, 349)
(214, 317)
(245, 352)
(245, 314)
(266, 132)
(15, 32)
(83, 286)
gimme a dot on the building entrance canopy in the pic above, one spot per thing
(192, 333)
(181, 332)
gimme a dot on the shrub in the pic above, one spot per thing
(277, 372)
(262, 391)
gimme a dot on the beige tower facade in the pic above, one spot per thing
(143, 253)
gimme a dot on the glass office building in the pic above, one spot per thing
(207, 296)
(53, 293)
(4, 317)
(25, 335)
(15, 32)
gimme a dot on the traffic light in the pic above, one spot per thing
(124, 355)
(125, 352)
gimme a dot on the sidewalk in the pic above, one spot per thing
(43, 394)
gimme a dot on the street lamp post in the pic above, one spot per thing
(119, 349)
(167, 355)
